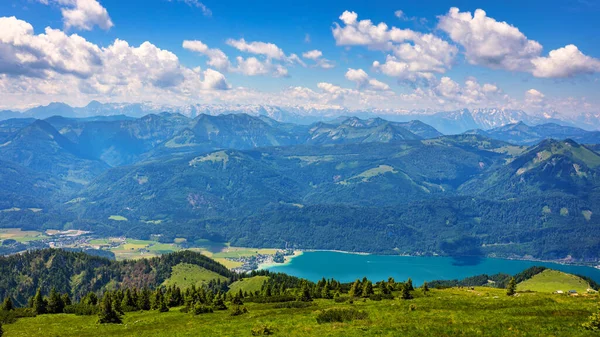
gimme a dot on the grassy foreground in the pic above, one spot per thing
(450, 312)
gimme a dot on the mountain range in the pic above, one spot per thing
(347, 183)
(447, 122)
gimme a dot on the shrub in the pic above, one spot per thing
(412, 307)
(239, 310)
(202, 309)
(593, 322)
(1, 331)
(376, 297)
(340, 315)
(292, 305)
(341, 299)
(262, 330)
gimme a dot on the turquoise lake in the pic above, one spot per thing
(349, 267)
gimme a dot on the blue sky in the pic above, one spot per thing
(514, 56)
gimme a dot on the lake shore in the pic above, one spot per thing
(287, 260)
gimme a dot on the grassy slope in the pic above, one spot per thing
(249, 284)
(184, 275)
(448, 312)
(553, 280)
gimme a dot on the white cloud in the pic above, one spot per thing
(499, 45)
(312, 55)
(317, 56)
(413, 55)
(23, 53)
(82, 14)
(363, 81)
(216, 57)
(58, 65)
(195, 3)
(269, 50)
(565, 62)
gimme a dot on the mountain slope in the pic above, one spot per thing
(521, 133)
(41, 148)
(560, 166)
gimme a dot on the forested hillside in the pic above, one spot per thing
(257, 182)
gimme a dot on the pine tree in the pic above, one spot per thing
(144, 299)
(107, 313)
(367, 289)
(511, 288)
(405, 292)
(384, 288)
(425, 288)
(66, 299)
(304, 295)
(355, 289)
(116, 303)
(218, 303)
(55, 303)
(90, 299)
(409, 284)
(237, 299)
(7, 305)
(39, 303)
(326, 292)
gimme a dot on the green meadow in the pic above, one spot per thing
(449, 312)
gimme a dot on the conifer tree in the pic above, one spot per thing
(405, 292)
(55, 303)
(144, 299)
(367, 289)
(511, 288)
(39, 303)
(66, 299)
(409, 284)
(107, 312)
(7, 304)
(425, 288)
(326, 292)
(355, 289)
(304, 295)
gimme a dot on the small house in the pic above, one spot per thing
(559, 292)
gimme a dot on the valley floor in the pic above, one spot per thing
(449, 312)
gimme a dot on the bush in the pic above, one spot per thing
(412, 307)
(593, 323)
(8, 317)
(340, 315)
(376, 297)
(341, 299)
(81, 309)
(239, 310)
(263, 330)
(293, 305)
(202, 309)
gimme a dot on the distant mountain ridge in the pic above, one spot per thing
(447, 122)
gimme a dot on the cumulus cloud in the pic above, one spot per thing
(54, 63)
(216, 57)
(23, 53)
(499, 45)
(317, 56)
(363, 81)
(269, 50)
(195, 3)
(565, 62)
(82, 14)
(413, 55)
